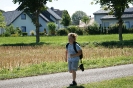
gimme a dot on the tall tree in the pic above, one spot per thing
(77, 16)
(117, 8)
(34, 7)
(2, 22)
(66, 19)
(85, 19)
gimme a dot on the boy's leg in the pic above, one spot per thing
(74, 75)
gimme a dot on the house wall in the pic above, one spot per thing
(113, 21)
(28, 23)
(97, 18)
(44, 25)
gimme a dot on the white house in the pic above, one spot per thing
(23, 20)
(104, 20)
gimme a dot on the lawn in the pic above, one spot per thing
(125, 82)
(21, 57)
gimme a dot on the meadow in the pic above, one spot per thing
(20, 56)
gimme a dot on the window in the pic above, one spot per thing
(23, 28)
(127, 25)
(23, 16)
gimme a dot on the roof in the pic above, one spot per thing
(10, 16)
(54, 14)
(101, 11)
(113, 17)
(57, 11)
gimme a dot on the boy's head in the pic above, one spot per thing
(72, 37)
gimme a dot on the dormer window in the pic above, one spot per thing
(23, 16)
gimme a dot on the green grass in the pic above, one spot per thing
(54, 67)
(62, 40)
(125, 82)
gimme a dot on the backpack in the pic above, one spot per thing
(74, 46)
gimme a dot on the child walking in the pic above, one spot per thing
(72, 57)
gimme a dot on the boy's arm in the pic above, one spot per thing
(66, 56)
(77, 54)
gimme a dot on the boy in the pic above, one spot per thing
(72, 57)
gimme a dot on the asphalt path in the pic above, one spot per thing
(60, 80)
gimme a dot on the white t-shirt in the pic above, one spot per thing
(71, 50)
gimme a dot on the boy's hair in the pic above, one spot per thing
(73, 35)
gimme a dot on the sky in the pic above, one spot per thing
(70, 5)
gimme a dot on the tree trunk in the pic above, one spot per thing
(37, 28)
(120, 30)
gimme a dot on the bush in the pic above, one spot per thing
(130, 30)
(15, 35)
(41, 33)
(75, 29)
(32, 32)
(7, 34)
(24, 33)
(94, 29)
(51, 27)
(62, 32)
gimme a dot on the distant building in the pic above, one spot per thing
(23, 20)
(105, 20)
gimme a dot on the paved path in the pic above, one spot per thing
(60, 80)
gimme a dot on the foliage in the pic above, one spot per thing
(41, 33)
(62, 32)
(75, 29)
(77, 16)
(24, 33)
(34, 7)
(2, 23)
(32, 32)
(66, 19)
(85, 19)
(116, 8)
(51, 27)
(93, 29)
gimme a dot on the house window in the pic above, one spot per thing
(127, 24)
(23, 16)
(23, 28)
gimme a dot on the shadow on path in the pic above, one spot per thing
(76, 87)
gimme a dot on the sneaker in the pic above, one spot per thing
(73, 84)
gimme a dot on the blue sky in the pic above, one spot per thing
(70, 5)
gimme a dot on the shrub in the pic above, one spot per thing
(32, 32)
(75, 29)
(24, 33)
(130, 30)
(62, 32)
(18, 31)
(51, 27)
(41, 33)
(94, 28)
(7, 34)
(15, 35)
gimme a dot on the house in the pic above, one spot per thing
(105, 20)
(23, 20)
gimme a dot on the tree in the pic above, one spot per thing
(2, 23)
(34, 7)
(117, 8)
(85, 19)
(66, 19)
(77, 16)
(51, 27)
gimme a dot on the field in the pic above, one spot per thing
(21, 55)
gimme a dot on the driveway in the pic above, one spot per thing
(60, 80)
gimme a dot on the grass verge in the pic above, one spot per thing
(125, 82)
(54, 67)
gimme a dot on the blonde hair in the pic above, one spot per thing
(73, 35)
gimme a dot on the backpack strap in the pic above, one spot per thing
(74, 46)
(67, 45)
